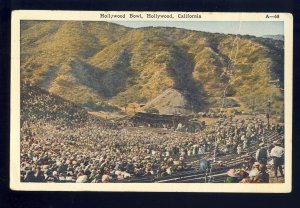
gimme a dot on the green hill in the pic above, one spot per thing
(100, 62)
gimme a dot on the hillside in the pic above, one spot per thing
(39, 104)
(169, 102)
(98, 64)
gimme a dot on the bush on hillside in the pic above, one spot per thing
(152, 110)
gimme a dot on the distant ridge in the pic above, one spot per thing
(275, 37)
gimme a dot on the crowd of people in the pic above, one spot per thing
(255, 169)
(72, 147)
(37, 103)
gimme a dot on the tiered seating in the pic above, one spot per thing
(217, 174)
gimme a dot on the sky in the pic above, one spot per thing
(256, 28)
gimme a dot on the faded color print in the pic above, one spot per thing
(158, 102)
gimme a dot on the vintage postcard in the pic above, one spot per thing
(151, 101)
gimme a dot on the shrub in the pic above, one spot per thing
(152, 110)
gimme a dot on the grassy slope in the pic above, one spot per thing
(88, 62)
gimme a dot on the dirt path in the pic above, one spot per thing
(272, 177)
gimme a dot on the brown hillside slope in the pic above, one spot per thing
(100, 62)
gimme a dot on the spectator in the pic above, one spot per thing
(250, 161)
(232, 176)
(254, 172)
(244, 176)
(262, 154)
(277, 153)
(263, 176)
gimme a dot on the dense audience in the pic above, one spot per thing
(37, 103)
(60, 142)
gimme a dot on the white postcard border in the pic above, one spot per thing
(15, 183)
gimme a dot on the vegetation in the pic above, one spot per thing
(152, 110)
(100, 62)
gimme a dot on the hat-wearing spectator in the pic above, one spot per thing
(204, 165)
(244, 176)
(277, 153)
(35, 176)
(105, 178)
(263, 176)
(232, 176)
(262, 154)
(82, 179)
(255, 171)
